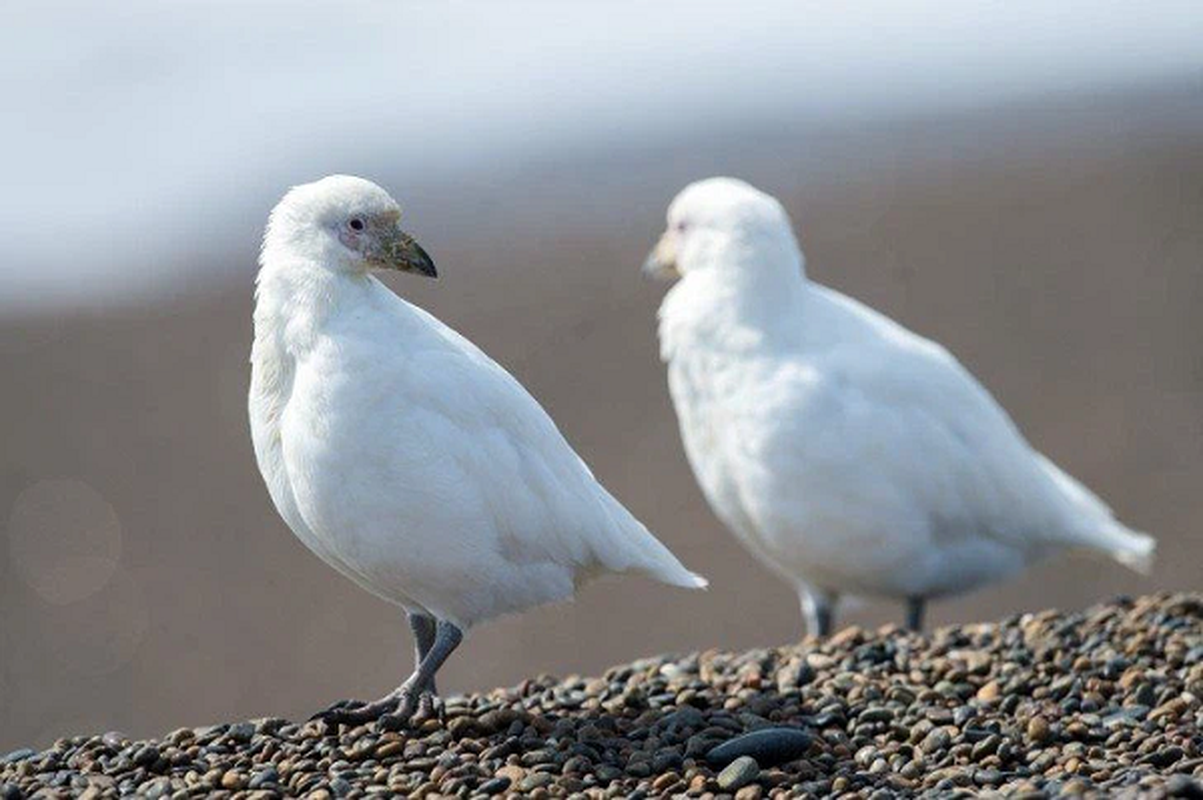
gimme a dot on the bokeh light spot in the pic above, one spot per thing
(64, 539)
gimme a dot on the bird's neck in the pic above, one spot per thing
(733, 311)
(295, 299)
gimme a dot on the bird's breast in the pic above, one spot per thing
(701, 390)
(273, 374)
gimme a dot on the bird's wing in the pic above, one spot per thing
(889, 425)
(545, 503)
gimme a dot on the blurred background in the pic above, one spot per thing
(1022, 181)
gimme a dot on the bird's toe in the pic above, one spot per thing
(413, 708)
(334, 708)
(355, 712)
(430, 706)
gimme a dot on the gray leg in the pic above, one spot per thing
(914, 613)
(415, 697)
(818, 608)
(423, 628)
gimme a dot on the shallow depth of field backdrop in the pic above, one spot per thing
(1022, 181)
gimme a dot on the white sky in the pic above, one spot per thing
(131, 127)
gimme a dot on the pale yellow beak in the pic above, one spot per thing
(661, 263)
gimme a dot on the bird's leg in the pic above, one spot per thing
(423, 628)
(417, 698)
(418, 689)
(915, 607)
(818, 608)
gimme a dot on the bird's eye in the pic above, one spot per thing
(356, 224)
(681, 226)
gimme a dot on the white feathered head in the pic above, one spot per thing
(345, 223)
(723, 223)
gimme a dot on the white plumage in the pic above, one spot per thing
(401, 454)
(845, 452)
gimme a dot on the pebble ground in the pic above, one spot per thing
(1107, 702)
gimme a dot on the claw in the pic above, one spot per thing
(341, 705)
(407, 704)
(430, 706)
(392, 722)
(412, 709)
(353, 712)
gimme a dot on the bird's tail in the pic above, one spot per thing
(636, 549)
(1098, 529)
(649, 556)
(679, 575)
(1133, 549)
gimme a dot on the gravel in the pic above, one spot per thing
(1106, 702)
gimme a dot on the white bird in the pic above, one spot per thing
(848, 454)
(405, 457)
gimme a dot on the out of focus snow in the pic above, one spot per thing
(139, 136)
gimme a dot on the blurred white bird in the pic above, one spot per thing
(402, 455)
(846, 453)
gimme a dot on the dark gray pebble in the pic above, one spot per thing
(145, 756)
(18, 755)
(699, 746)
(264, 779)
(1184, 786)
(666, 760)
(494, 786)
(769, 746)
(241, 733)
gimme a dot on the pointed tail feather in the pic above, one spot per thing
(636, 549)
(658, 562)
(1096, 527)
(1134, 550)
(683, 578)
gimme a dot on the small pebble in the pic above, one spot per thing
(494, 786)
(738, 774)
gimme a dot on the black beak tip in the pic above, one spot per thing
(426, 263)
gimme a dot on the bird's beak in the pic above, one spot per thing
(397, 250)
(661, 263)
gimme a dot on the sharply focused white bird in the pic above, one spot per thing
(405, 457)
(848, 454)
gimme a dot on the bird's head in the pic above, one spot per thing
(722, 223)
(344, 223)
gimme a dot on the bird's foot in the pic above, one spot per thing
(354, 712)
(405, 707)
(414, 707)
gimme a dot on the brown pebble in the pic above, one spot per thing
(1038, 730)
(1170, 710)
(512, 771)
(662, 782)
(989, 692)
(389, 749)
